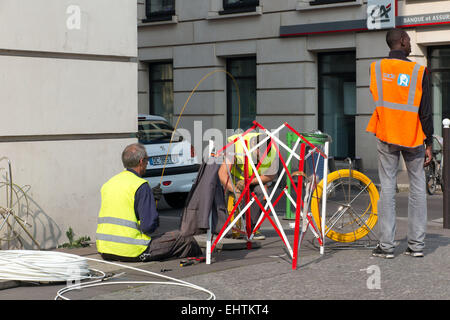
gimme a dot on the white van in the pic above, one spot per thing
(180, 167)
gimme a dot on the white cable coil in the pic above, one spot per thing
(42, 266)
(51, 266)
(99, 282)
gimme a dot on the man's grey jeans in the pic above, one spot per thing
(388, 160)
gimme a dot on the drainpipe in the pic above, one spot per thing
(446, 173)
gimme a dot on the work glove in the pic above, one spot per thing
(157, 192)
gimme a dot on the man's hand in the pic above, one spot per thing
(240, 185)
(157, 192)
(428, 155)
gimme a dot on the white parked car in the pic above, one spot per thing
(181, 166)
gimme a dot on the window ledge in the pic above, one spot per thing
(304, 6)
(173, 20)
(214, 15)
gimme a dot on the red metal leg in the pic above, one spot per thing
(299, 206)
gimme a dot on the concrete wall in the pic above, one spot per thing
(68, 106)
(198, 40)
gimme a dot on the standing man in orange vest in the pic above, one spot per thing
(402, 122)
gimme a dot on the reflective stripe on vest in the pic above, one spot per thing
(119, 222)
(120, 239)
(396, 87)
(409, 106)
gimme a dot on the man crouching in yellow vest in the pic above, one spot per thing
(232, 171)
(128, 217)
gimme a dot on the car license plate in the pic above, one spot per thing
(159, 160)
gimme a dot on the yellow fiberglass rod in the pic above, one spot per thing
(187, 101)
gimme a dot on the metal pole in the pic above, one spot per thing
(247, 181)
(289, 214)
(299, 188)
(209, 231)
(324, 196)
(446, 172)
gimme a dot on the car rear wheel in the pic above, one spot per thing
(176, 200)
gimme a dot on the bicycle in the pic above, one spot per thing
(433, 172)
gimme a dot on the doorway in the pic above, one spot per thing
(337, 101)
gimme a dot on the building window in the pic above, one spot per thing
(161, 90)
(244, 72)
(439, 66)
(319, 2)
(237, 6)
(337, 101)
(159, 10)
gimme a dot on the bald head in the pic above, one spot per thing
(398, 39)
(132, 155)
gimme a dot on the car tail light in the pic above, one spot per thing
(167, 183)
(192, 151)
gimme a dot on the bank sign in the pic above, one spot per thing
(380, 14)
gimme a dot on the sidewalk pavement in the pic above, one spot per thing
(343, 272)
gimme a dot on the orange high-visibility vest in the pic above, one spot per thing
(396, 87)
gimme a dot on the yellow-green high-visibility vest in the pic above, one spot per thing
(237, 170)
(118, 229)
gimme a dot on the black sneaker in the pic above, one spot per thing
(412, 253)
(378, 252)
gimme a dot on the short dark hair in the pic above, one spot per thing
(132, 154)
(393, 37)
